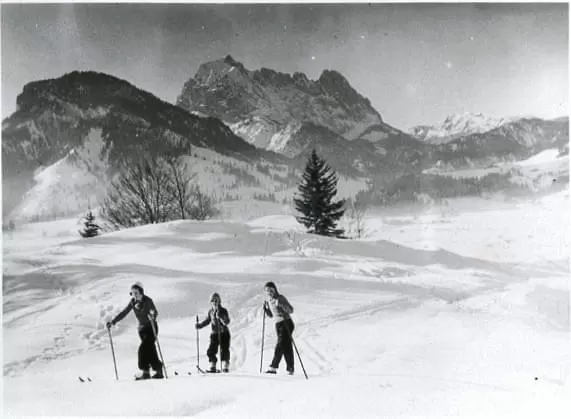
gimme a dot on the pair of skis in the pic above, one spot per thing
(198, 350)
(152, 321)
(86, 379)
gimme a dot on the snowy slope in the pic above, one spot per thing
(545, 157)
(426, 318)
(79, 180)
(539, 172)
(71, 184)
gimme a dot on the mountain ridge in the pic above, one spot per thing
(225, 89)
(56, 116)
(457, 125)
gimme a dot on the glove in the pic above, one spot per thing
(109, 324)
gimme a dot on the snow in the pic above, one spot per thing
(79, 180)
(375, 136)
(546, 156)
(255, 130)
(538, 172)
(463, 313)
(458, 125)
(71, 184)
(280, 139)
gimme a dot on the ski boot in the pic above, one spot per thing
(212, 367)
(226, 366)
(144, 375)
(271, 370)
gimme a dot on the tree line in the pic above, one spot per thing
(160, 190)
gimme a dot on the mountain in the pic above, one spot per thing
(244, 134)
(456, 126)
(81, 128)
(291, 114)
(511, 141)
(260, 104)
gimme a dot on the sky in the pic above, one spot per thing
(417, 63)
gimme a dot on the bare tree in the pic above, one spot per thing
(358, 208)
(142, 194)
(155, 191)
(182, 188)
(202, 207)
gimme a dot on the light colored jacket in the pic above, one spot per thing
(279, 308)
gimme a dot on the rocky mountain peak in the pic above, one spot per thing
(212, 72)
(264, 102)
(335, 84)
(231, 61)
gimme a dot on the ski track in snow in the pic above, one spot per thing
(385, 309)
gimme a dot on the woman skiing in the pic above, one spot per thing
(219, 335)
(278, 307)
(146, 314)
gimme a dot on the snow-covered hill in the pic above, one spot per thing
(433, 315)
(541, 172)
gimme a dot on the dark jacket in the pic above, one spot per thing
(218, 324)
(141, 309)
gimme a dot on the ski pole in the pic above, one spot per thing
(198, 349)
(299, 357)
(296, 351)
(263, 334)
(219, 339)
(158, 345)
(113, 352)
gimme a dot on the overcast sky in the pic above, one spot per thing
(417, 63)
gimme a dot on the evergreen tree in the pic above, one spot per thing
(319, 213)
(90, 229)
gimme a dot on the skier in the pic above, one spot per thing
(278, 307)
(146, 312)
(220, 334)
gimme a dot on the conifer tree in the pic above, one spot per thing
(90, 229)
(319, 212)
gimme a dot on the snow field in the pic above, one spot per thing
(423, 318)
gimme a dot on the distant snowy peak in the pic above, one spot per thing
(459, 125)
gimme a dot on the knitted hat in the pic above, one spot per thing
(270, 284)
(138, 286)
(215, 296)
